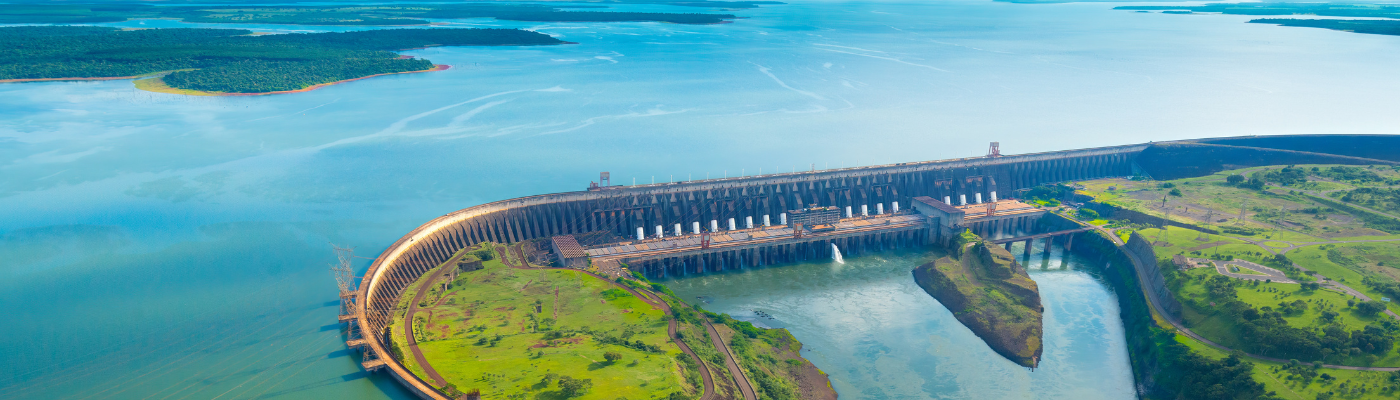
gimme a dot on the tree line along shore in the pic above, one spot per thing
(231, 60)
(362, 15)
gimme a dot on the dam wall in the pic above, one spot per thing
(617, 211)
(621, 209)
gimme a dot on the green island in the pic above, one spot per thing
(392, 15)
(223, 61)
(1387, 26)
(990, 293)
(1320, 250)
(488, 323)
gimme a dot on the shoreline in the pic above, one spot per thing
(159, 86)
(106, 78)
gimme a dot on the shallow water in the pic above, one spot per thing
(166, 247)
(879, 336)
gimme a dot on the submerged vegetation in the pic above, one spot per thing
(390, 14)
(230, 60)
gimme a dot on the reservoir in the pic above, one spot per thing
(159, 246)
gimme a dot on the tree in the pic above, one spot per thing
(1175, 192)
(612, 356)
(1370, 308)
(1234, 179)
(574, 387)
(1086, 214)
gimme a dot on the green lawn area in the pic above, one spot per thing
(1361, 259)
(1220, 327)
(1277, 381)
(504, 331)
(1279, 213)
(1184, 241)
(1246, 271)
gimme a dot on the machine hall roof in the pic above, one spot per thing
(568, 246)
(1004, 208)
(941, 206)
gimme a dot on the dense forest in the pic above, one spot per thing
(1319, 9)
(229, 60)
(408, 14)
(1372, 26)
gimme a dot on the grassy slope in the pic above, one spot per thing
(501, 301)
(1278, 382)
(1220, 328)
(1369, 256)
(771, 359)
(1211, 192)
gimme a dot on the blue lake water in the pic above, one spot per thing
(160, 246)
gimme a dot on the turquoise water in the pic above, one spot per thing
(879, 336)
(159, 246)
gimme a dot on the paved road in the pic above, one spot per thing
(1329, 283)
(730, 362)
(1155, 303)
(412, 341)
(1270, 274)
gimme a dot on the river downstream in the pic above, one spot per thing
(166, 247)
(879, 336)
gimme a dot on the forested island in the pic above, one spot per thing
(230, 60)
(1353, 10)
(991, 294)
(382, 15)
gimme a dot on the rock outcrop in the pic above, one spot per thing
(991, 294)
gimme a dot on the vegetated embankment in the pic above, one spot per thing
(991, 294)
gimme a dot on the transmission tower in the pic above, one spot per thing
(1241, 219)
(1166, 221)
(345, 280)
(1210, 215)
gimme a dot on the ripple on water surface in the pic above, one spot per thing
(879, 336)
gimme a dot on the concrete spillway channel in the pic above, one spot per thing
(618, 212)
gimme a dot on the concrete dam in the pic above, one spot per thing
(720, 224)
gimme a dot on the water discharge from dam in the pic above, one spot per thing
(879, 336)
(167, 246)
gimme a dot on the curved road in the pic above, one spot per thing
(1176, 323)
(408, 330)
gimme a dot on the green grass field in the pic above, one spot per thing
(1280, 213)
(505, 331)
(1201, 315)
(1288, 386)
(1376, 260)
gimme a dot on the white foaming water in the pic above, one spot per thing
(836, 254)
